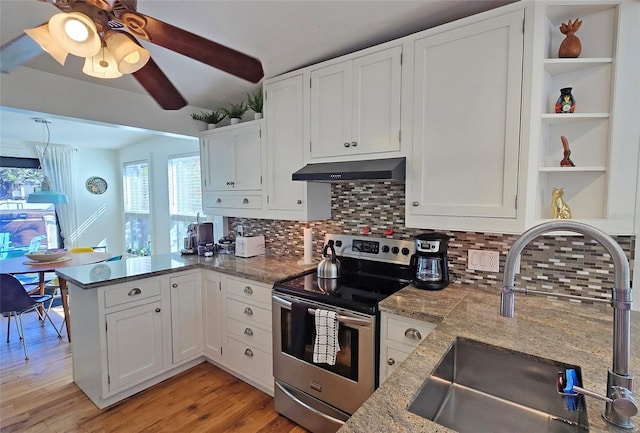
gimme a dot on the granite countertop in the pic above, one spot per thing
(265, 269)
(558, 330)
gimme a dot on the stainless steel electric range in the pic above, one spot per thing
(319, 396)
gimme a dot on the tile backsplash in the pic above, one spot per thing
(568, 264)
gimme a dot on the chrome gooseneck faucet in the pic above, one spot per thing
(619, 381)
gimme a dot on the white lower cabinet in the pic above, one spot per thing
(133, 335)
(399, 336)
(186, 316)
(248, 331)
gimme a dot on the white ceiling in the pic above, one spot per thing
(284, 35)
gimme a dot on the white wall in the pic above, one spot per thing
(157, 151)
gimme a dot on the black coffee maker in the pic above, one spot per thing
(429, 263)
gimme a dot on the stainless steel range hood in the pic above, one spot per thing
(373, 169)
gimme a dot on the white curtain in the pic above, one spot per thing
(59, 166)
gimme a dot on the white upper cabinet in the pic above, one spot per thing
(466, 126)
(355, 106)
(602, 132)
(231, 160)
(287, 199)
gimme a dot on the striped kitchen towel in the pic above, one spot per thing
(326, 344)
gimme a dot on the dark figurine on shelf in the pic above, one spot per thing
(571, 46)
(566, 161)
(566, 102)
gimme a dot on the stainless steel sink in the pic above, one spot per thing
(479, 388)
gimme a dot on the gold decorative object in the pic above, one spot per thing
(571, 46)
(559, 208)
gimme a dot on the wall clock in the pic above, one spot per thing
(96, 185)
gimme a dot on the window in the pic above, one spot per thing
(185, 196)
(137, 218)
(24, 226)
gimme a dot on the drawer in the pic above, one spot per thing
(244, 201)
(249, 334)
(249, 361)
(249, 313)
(131, 292)
(410, 332)
(393, 359)
(249, 291)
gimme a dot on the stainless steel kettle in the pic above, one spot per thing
(329, 267)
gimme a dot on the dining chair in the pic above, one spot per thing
(15, 301)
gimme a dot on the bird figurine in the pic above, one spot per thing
(566, 161)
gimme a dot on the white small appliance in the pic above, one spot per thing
(249, 246)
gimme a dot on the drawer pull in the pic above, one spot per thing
(245, 200)
(248, 290)
(354, 143)
(248, 352)
(158, 310)
(248, 311)
(299, 202)
(415, 204)
(391, 361)
(219, 201)
(134, 292)
(174, 285)
(413, 334)
(248, 331)
(346, 144)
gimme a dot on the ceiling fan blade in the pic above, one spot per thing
(159, 86)
(194, 46)
(18, 51)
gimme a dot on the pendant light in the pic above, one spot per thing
(46, 195)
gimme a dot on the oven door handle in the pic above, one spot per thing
(306, 406)
(347, 320)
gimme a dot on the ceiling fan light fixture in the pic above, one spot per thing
(102, 65)
(76, 33)
(43, 38)
(129, 56)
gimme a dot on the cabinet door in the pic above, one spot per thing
(232, 159)
(467, 88)
(216, 161)
(376, 102)
(212, 315)
(331, 110)
(186, 316)
(285, 150)
(134, 345)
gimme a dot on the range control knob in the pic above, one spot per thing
(405, 251)
(385, 249)
(395, 250)
(338, 244)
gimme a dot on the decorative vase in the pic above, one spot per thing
(566, 161)
(566, 102)
(257, 116)
(212, 125)
(234, 120)
(571, 46)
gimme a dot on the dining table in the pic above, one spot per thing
(23, 265)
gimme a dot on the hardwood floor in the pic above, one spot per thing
(39, 395)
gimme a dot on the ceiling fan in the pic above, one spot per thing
(106, 37)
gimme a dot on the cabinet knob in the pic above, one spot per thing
(298, 201)
(174, 285)
(248, 331)
(232, 183)
(391, 361)
(158, 310)
(248, 353)
(354, 143)
(248, 311)
(414, 204)
(219, 201)
(346, 144)
(134, 292)
(245, 200)
(413, 334)
(248, 290)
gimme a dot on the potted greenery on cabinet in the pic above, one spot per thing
(211, 119)
(254, 102)
(235, 112)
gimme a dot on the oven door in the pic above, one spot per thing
(345, 385)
